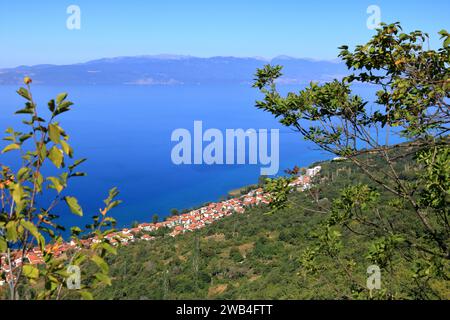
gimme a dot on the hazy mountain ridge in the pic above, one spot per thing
(171, 70)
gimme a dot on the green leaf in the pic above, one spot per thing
(3, 244)
(25, 137)
(17, 193)
(24, 93)
(63, 178)
(56, 156)
(67, 148)
(23, 173)
(103, 278)
(42, 149)
(63, 107)
(75, 231)
(109, 248)
(61, 97)
(111, 195)
(100, 263)
(39, 180)
(79, 259)
(51, 105)
(447, 42)
(113, 204)
(54, 134)
(12, 146)
(77, 163)
(25, 111)
(11, 231)
(86, 295)
(31, 228)
(63, 273)
(443, 32)
(78, 174)
(56, 184)
(38, 119)
(72, 202)
(52, 283)
(30, 271)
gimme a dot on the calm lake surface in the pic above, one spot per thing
(125, 132)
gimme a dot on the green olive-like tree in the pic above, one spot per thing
(29, 220)
(412, 85)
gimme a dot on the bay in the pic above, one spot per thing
(125, 132)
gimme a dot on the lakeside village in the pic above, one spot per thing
(178, 224)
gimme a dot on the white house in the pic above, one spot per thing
(311, 172)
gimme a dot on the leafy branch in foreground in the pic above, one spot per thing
(34, 256)
(412, 102)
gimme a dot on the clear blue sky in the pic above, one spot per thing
(34, 32)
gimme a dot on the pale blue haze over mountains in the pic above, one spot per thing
(172, 70)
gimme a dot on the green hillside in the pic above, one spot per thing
(256, 255)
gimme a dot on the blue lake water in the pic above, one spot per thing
(125, 132)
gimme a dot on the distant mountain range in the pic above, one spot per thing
(172, 70)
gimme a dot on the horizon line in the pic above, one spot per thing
(165, 56)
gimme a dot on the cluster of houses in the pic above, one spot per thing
(178, 224)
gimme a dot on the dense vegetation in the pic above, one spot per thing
(256, 255)
(412, 101)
